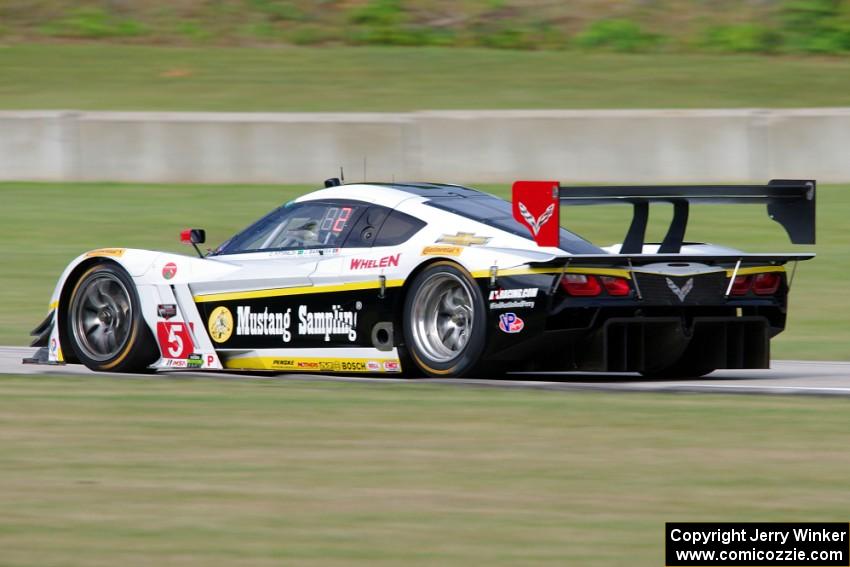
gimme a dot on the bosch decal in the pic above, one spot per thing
(367, 264)
(510, 323)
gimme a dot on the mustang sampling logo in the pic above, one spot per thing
(220, 324)
(536, 223)
(682, 292)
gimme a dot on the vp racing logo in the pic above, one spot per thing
(536, 223)
(510, 323)
(682, 292)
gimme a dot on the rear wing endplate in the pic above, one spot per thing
(536, 204)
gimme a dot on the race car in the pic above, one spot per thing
(430, 279)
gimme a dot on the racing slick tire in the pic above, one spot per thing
(104, 322)
(444, 321)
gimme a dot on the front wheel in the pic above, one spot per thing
(105, 324)
(445, 321)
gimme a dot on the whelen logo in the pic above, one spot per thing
(368, 264)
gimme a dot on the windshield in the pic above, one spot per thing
(497, 213)
(296, 226)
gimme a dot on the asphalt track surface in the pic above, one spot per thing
(785, 377)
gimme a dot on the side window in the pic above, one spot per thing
(297, 226)
(363, 233)
(397, 228)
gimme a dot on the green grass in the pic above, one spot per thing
(47, 225)
(114, 77)
(101, 472)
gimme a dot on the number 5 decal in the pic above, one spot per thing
(175, 341)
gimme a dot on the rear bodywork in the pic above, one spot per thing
(340, 309)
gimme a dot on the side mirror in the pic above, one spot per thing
(193, 236)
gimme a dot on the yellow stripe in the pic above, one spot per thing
(280, 292)
(578, 270)
(756, 270)
(53, 305)
(308, 364)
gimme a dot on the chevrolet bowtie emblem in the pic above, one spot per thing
(682, 292)
(463, 239)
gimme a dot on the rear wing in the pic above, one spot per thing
(536, 204)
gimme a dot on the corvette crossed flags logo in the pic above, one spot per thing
(682, 292)
(536, 223)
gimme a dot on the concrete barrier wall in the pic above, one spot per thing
(638, 146)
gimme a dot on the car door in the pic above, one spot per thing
(255, 304)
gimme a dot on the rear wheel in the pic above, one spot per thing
(105, 324)
(444, 321)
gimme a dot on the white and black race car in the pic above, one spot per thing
(436, 280)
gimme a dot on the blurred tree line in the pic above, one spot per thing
(675, 26)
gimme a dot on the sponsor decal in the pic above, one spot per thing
(265, 322)
(327, 323)
(516, 298)
(353, 366)
(536, 223)
(329, 365)
(113, 252)
(371, 263)
(195, 360)
(336, 322)
(176, 363)
(373, 366)
(510, 323)
(308, 365)
(442, 251)
(169, 270)
(306, 252)
(220, 324)
(681, 292)
(463, 239)
(392, 366)
(175, 340)
(519, 293)
(166, 311)
(53, 345)
(519, 304)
